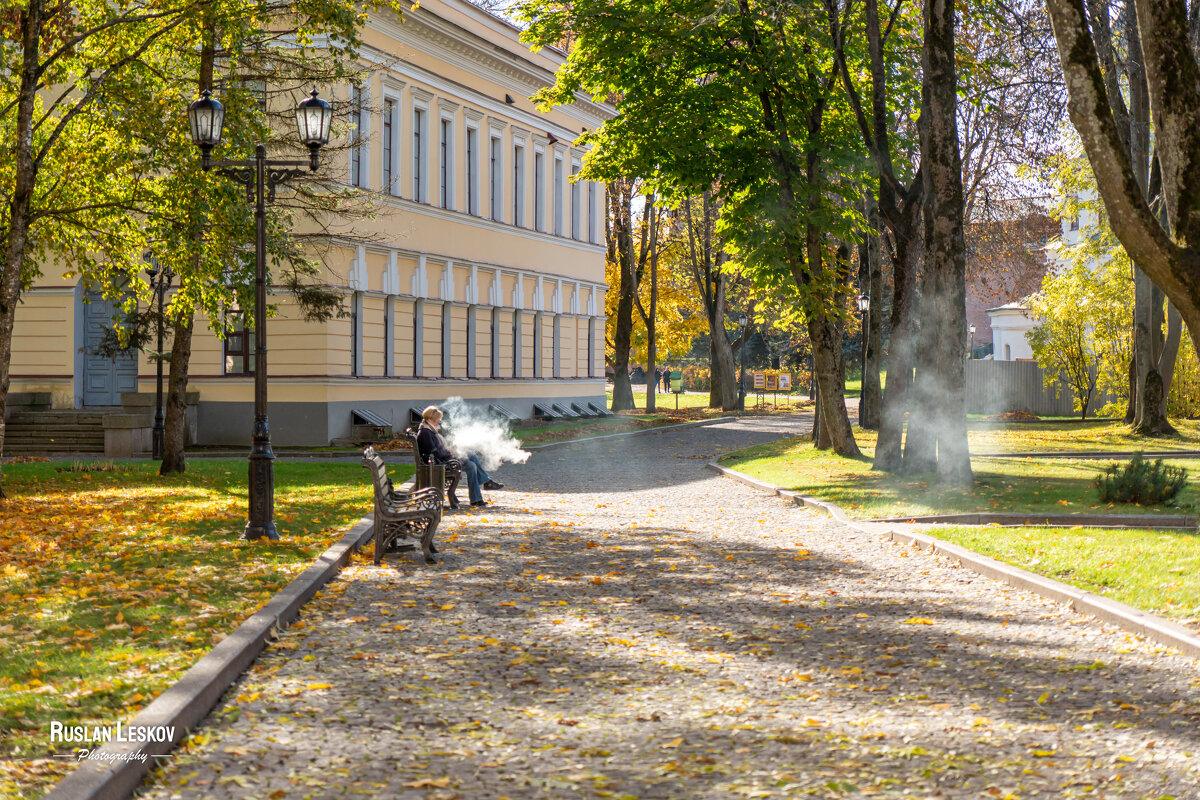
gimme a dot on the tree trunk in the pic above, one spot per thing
(175, 423)
(871, 397)
(901, 353)
(16, 238)
(826, 341)
(1170, 353)
(920, 440)
(622, 248)
(944, 305)
(175, 418)
(722, 371)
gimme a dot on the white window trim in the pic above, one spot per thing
(558, 193)
(392, 188)
(576, 202)
(360, 97)
(520, 179)
(447, 118)
(420, 103)
(539, 189)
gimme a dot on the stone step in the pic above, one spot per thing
(55, 418)
(83, 430)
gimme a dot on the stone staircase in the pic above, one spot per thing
(43, 433)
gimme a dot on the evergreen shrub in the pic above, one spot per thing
(1147, 483)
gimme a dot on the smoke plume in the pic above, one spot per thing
(472, 429)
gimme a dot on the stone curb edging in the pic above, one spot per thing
(1126, 617)
(186, 702)
(1158, 521)
(654, 429)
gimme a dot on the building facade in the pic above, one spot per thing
(481, 276)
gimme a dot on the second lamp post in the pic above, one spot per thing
(260, 177)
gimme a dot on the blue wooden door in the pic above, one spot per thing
(104, 379)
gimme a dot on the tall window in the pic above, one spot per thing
(356, 137)
(576, 204)
(420, 194)
(497, 178)
(539, 191)
(356, 334)
(445, 175)
(558, 196)
(389, 161)
(239, 344)
(591, 210)
(473, 171)
(519, 186)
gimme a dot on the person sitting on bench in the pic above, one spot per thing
(433, 450)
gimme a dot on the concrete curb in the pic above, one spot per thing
(655, 429)
(188, 701)
(1125, 617)
(1161, 521)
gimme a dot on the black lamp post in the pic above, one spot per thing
(864, 305)
(971, 352)
(743, 321)
(160, 279)
(260, 177)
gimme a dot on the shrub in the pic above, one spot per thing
(1140, 481)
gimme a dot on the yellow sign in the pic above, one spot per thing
(759, 380)
(772, 383)
(785, 383)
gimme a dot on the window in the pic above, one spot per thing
(447, 175)
(516, 348)
(357, 178)
(1073, 223)
(497, 178)
(539, 191)
(389, 161)
(558, 195)
(1008, 352)
(591, 190)
(519, 186)
(239, 344)
(420, 194)
(473, 171)
(591, 345)
(576, 205)
(356, 334)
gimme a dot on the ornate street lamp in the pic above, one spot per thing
(971, 352)
(260, 177)
(743, 321)
(160, 280)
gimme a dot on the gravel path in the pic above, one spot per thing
(627, 624)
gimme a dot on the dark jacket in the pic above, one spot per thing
(430, 443)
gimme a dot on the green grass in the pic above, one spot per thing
(1011, 485)
(1077, 436)
(565, 430)
(1157, 571)
(115, 582)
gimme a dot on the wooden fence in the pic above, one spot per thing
(994, 387)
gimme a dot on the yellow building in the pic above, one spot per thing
(482, 276)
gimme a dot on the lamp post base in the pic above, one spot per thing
(262, 488)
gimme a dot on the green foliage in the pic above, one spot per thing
(1142, 482)
(1183, 398)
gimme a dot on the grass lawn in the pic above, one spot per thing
(114, 582)
(1068, 436)
(696, 403)
(1156, 571)
(1061, 485)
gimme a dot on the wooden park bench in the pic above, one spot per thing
(453, 467)
(402, 515)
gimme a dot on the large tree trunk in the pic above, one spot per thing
(175, 423)
(826, 338)
(944, 306)
(16, 238)
(901, 352)
(871, 397)
(621, 248)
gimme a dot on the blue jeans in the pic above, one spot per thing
(476, 477)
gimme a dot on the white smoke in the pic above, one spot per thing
(474, 430)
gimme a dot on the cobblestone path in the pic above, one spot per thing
(627, 624)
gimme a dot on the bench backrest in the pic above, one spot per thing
(383, 484)
(410, 436)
